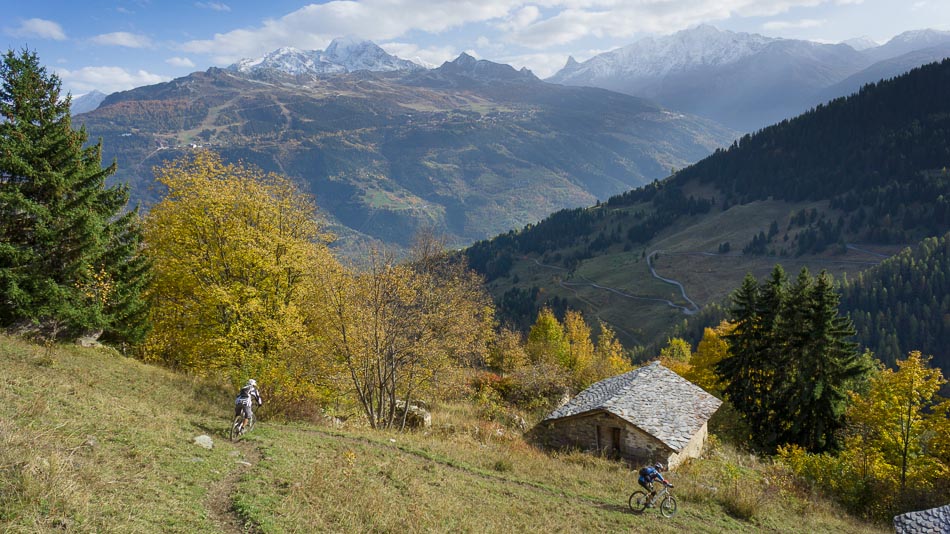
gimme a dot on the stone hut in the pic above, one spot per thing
(933, 521)
(649, 414)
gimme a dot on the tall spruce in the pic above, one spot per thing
(741, 369)
(69, 257)
(790, 364)
(827, 366)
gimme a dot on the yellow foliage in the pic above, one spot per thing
(609, 356)
(507, 351)
(546, 342)
(711, 349)
(234, 251)
(397, 332)
(676, 355)
(579, 359)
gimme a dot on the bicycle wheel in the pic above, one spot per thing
(668, 506)
(235, 432)
(638, 501)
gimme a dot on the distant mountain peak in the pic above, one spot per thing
(482, 69)
(464, 59)
(924, 35)
(86, 102)
(700, 46)
(343, 54)
(861, 43)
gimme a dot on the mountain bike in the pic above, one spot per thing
(238, 428)
(640, 501)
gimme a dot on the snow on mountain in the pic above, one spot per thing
(745, 81)
(345, 54)
(651, 57)
(861, 43)
(86, 102)
(909, 41)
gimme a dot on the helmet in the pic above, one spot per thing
(251, 382)
(658, 466)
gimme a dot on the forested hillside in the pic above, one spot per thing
(868, 169)
(879, 156)
(904, 303)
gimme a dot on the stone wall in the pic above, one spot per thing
(692, 449)
(596, 433)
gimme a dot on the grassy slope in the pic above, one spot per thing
(689, 254)
(143, 474)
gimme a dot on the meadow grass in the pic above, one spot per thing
(91, 441)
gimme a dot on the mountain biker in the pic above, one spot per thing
(650, 473)
(245, 398)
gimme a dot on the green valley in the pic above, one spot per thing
(838, 188)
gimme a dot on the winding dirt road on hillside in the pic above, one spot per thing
(693, 308)
(688, 311)
(590, 283)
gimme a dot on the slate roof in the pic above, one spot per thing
(933, 521)
(652, 398)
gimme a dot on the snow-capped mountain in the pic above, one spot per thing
(861, 43)
(703, 46)
(342, 55)
(86, 102)
(745, 81)
(909, 42)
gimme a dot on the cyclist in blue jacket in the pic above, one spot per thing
(650, 473)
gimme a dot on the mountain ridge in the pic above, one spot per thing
(743, 80)
(342, 55)
(471, 148)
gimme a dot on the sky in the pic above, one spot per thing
(113, 45)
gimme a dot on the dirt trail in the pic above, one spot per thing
(220, 500)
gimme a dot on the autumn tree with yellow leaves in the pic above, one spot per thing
(398, 332)
(895, 455)
(235, 251)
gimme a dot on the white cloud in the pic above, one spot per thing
(432, 56)
(41, 28)
(126, 39)
(180, 62)
(313, 26)
(577, 19)
(106, 79)
(776, 25)
(216, 6)
(520, 18)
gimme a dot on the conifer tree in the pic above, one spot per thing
(743, 369)
(790, 364)
(69, 260)
(827, 366)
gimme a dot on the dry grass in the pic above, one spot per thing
(93, 442)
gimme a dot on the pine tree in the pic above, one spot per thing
(827, 367)
(740, 371)
(69, 260)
